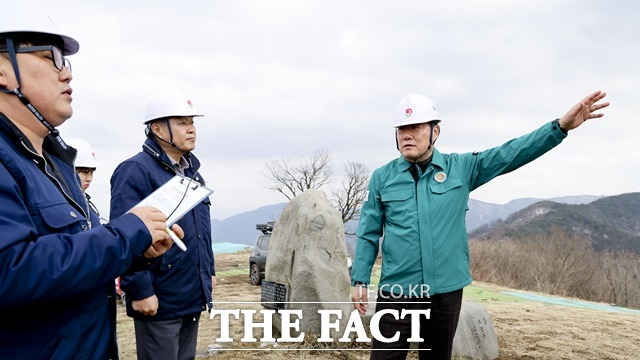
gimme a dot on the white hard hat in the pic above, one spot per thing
(415, 109)
(85, 157)
(167, 103)
(27, 16)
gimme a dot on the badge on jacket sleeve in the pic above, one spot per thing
(440, 177)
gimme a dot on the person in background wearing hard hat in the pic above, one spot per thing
(85, 164)
(166, 301)
(57, 266)
(418, 201)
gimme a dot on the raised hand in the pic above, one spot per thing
(583, 111)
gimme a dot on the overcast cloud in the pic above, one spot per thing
(284, 78)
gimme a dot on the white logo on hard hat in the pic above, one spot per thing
(408, 112)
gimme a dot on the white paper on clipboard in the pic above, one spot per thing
(169, 195)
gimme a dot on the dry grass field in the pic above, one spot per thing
(526, 329)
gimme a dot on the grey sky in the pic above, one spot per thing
(283, 78)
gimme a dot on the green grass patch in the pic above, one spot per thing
(479, 294)
(234, 272)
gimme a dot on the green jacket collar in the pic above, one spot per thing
(403, 164)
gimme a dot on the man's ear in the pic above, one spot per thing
(5, 67)
(156, 128)
(436, 132)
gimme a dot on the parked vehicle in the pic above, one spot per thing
(258, 256)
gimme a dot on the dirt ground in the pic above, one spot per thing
(526, 330)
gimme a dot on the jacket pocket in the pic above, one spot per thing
(443, 187)
(398, 195)
(65, 344)
(60, 216)
(171, 259)
(398, 205)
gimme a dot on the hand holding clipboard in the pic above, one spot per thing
(176, 198)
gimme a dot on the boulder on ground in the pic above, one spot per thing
(307, 251)
(475, 337)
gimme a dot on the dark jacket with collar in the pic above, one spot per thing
(56, 270)
(181, 279)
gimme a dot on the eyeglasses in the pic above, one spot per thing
(59, 61)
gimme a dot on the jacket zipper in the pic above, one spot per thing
(67, 196)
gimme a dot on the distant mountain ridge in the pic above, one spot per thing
(609, 223)
(482, 213)
(240, 228)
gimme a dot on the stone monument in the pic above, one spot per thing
(475, 337)
(307, 252)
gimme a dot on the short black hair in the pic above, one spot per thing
(82, 169)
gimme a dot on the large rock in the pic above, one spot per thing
(475, 337)
(307, 251)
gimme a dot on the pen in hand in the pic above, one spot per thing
(176, 239)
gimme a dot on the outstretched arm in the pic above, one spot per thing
(583, 111)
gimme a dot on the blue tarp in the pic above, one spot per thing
(227, 247)
(572, 303)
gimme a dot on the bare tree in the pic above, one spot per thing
(558, 264)
(620, 271)
(351, 194)
(315, 172)
(310, 173)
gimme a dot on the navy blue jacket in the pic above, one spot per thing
(181, 279)
(56, 271)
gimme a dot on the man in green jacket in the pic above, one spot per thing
(418, 201)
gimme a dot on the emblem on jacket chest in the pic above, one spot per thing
(440, 177)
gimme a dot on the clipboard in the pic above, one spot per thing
(178, 195)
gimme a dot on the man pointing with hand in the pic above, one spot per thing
(418, 201)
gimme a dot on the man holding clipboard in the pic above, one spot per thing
(166, 301)
(57, 263)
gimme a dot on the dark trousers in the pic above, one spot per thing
(167, 339)
(437, 331)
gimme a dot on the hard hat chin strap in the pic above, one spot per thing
(170, 142)
(171, 137)
(431, 142)
(23, 99)
(14, 60)
(431, 125)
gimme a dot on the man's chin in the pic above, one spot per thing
(409, 155)
(61, 117)
(66, 111)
